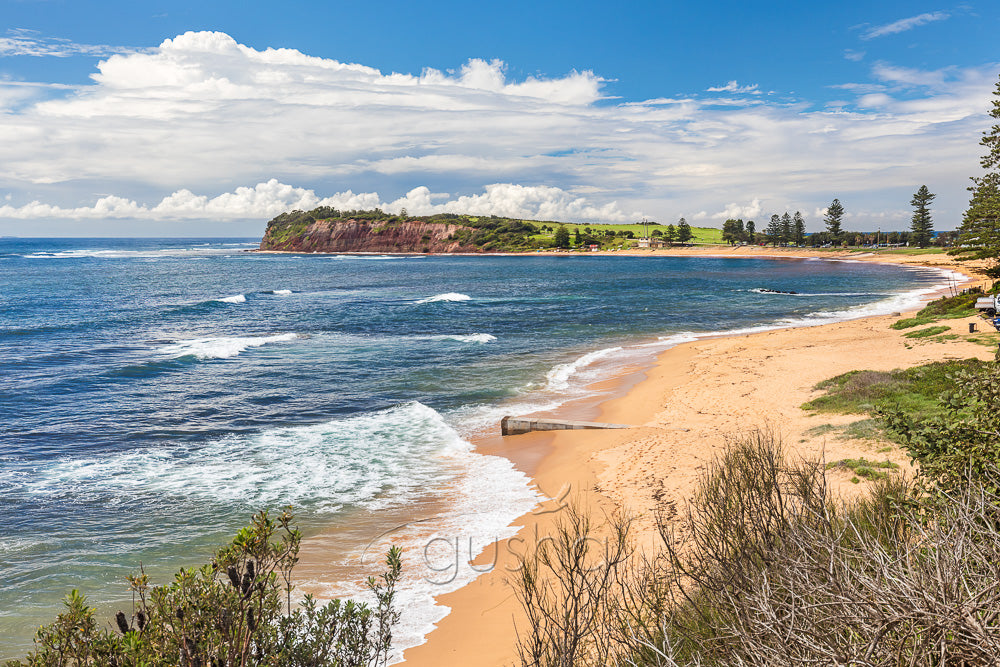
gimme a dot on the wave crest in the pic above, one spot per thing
(221, 347)
(449, 296)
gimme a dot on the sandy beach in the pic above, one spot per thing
(685, 408)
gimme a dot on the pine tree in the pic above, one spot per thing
(921, 225)
(799, 229)
(562, 237)
(751, 229)
(670, 234)
(833, 218)
(774, 230)
(786, 229)
(683, 231)
(979, 236)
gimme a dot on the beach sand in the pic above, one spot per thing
(686, 408)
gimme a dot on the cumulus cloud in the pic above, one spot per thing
(202, 113)
(747, 211)
(902, 25)
(266, 200)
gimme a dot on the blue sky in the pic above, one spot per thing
(576, 111)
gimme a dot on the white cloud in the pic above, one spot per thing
(902, 25)
(268, 199)
(734, 210)
(29, 43)
(203, 113)
(735, 87)
(855, 56)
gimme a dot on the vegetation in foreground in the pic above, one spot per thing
(235, 611)
(768, 568)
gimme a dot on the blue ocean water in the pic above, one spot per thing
(156, 392)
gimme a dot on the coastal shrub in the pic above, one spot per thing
(928, 332)
(864, 468)
(963, 439)
(945, 308)
(235, 611)
(915, 391)
(767, 568)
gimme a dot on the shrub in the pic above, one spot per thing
(235, 611)
(767, 568)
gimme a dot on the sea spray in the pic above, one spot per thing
(221, 347)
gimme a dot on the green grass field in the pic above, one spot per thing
(702, 235)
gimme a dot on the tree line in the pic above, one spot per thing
(790, 229)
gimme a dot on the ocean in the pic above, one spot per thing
(154, 393)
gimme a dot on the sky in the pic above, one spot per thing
(178, 118)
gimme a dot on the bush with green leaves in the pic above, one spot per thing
(235, 611)
(964, 440)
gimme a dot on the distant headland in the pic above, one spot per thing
(326, 229)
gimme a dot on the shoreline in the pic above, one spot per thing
(652, 467)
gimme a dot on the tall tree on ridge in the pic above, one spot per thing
(799, 229)
(921, 225)
(834, 217)
(980, 231)
(684, 231)
(751, 230)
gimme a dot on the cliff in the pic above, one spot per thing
(326, 229)
(351, 235)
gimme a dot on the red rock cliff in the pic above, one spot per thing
(364, 236)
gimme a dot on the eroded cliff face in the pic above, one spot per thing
(364, 236)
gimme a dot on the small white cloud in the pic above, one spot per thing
(748, 211)
(735, 87)
(29, 43)
(856, 56)
(902, 25)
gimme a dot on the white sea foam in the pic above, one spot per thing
(281, 292)
(467, 338)
(117, 253)
(558, 378)
(224, 347)
(450, 296)
(375, 460)
(764, 290)
(238, 298)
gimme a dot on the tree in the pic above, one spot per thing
(670, 235)
(561, 238)
(683, 231)
(751, 230)
(980, 230)
(786, 228)
(576, 236)
(921, 225)
(798, 229)
(774, 229)
(730, 233)
(833, 218)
